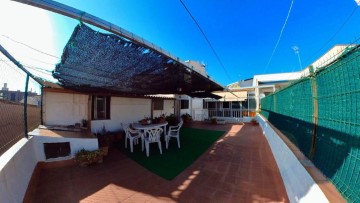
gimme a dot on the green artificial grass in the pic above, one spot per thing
(194, 142)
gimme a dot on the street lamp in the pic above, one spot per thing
(297, 52)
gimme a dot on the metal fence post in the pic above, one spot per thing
(25, 105)
(315, 118)
(274, 102)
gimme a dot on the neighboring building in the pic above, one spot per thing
(261, 85)
(241, 100)
(258, 87)
(33, 100)
(14, 96)
(197, 66)
(268, 83)
(329, 56)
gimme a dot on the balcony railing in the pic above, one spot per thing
(231, 113)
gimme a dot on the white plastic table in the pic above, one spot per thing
(139, 126)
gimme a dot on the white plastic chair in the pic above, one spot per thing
(152, 136)
(132, 135)
(174, 131)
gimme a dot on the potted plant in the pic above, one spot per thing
(105, 139)
(254, 121)
(104, 143)
(85, 157)
(162, 118)
(207, 120)
(145, 120)
(171, 119)
(186, 118)
(84, 123)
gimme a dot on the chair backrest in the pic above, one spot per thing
(176, 127)
(153, 135)
(125, 126)
(180, 124)
(128, 131)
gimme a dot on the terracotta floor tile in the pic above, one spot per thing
(237, 168)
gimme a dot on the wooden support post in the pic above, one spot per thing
(89, 107)
(315, 118)
(152, 109)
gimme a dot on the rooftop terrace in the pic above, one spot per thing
(239, 167)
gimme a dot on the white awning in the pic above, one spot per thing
(162, 96)
(232, 96)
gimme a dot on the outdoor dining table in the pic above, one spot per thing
(145, 127)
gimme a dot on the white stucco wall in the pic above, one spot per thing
(276, 77)
(197, 111)
(299, 185)
(64, 108)
(18, 163)
(168, 109)
(68, 109)
(197, 103)
(123, 110)
(185, 97)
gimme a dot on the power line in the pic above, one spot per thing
(53, 64)
(29, 46)
(281, 32)
(207, 40)
(37, 68)
(337, 31)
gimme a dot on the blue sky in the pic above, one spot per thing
(243, 33)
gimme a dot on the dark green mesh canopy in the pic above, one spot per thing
(96, 62)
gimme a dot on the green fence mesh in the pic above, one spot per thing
(13, 113)
(281, 107)
(337, 143)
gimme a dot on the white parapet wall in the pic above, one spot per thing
(18, 163)
(76, 144)
(299, 185)
(16, 167)
(229, 119)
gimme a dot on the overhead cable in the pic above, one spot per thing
(207, 40)
(337, 32)
(279, 38)
(29, 46)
